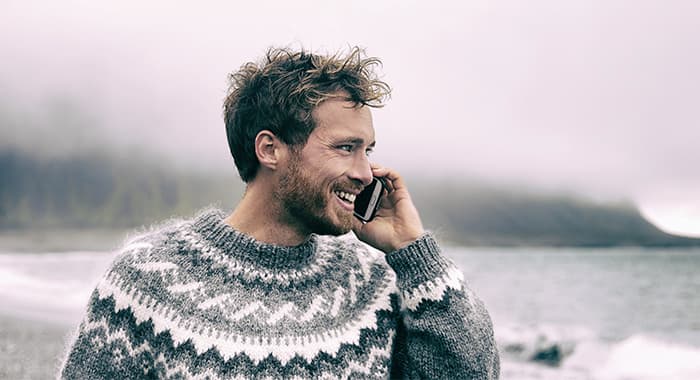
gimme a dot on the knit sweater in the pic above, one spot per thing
(198, 299)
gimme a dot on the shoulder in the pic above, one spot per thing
(356, 255)
(349, 245)
(152, 244)
(147, 260)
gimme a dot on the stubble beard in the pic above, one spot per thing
(306, 202)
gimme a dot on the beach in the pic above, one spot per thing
(558, 313)
(30, 349)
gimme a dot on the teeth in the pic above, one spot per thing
(346, 196)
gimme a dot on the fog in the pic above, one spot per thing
(596, 97)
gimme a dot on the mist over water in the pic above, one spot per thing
(585, 96)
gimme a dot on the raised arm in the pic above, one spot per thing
(445, 331)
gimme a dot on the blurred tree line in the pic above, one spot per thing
(59, 170)
(99, 191)
(93, 190)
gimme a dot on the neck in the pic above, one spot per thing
(261, 216)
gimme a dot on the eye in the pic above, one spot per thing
(345, 147)
(369, 151)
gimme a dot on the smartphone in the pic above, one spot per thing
(367, 202)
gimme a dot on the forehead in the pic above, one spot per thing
(339, 119)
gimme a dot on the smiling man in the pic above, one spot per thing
(278, 288)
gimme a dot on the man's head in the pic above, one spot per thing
(316, 186)
(280, 94)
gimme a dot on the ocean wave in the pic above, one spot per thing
(546, 344)
(577, 352)
(644, 357)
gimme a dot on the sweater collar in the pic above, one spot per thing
(211, 226)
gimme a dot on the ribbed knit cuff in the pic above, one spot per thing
(418, 262)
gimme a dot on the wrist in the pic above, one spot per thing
(407, 239)
(418, 262)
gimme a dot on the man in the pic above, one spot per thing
(271, 290)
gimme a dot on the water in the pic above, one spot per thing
(600, 314)
(626, 313)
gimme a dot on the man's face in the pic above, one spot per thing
(319, 183)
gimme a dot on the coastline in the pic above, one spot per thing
(31, 349)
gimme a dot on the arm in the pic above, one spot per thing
(105, 346)
(108, 343)
(444, 330)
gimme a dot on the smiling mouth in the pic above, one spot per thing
(348, 198)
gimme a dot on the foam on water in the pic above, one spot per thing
(644, 357)
(583, 355)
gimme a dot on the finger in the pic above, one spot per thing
(380, 171)
(392, 176)
(389, 186)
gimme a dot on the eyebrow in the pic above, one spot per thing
(359, 141)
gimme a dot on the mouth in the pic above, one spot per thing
(346, 199)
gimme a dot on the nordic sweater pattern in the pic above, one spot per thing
(197, 299)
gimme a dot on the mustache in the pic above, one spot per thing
(348, 186)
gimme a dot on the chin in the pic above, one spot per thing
(340, 225)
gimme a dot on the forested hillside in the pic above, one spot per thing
(97, 191)
(484, 215)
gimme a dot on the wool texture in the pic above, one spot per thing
(197, 299)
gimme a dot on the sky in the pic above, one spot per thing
(594, 97)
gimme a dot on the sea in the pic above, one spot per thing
(558, 313)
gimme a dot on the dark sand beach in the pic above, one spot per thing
(30, 349)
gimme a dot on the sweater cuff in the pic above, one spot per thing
(418, 262)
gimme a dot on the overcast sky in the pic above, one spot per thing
(599, 97)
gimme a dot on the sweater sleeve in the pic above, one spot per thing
(444, 331)
(109, 344)
(105, 347)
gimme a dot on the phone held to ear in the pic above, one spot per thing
(367, 202)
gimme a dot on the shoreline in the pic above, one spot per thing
(30, 348)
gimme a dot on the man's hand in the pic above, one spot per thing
(397, 223)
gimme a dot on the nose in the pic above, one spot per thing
(361, 171)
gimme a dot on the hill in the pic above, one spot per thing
(478, 214)
(99, 191)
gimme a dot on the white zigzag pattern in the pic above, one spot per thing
(119, 335)
(213, 302)
(183, 371)
(433, 290)
(184, 288)
(116, 335)
(145, 308)
(235, 267)
(376, 353)
(290, 311)
(171, 370)
(155, 266)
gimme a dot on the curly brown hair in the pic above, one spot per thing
(280, 93)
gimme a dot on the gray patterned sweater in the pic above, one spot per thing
(197, 299)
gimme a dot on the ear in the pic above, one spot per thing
(268, 149)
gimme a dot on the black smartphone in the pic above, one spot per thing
(367, 202)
